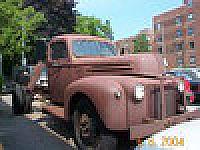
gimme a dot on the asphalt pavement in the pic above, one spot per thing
(19, 133)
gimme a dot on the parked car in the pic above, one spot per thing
(22, 97)
(192, 83)
(22, 74)
(43, 79)
(7, 86)
(41, 84)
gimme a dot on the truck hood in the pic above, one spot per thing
(137, 64)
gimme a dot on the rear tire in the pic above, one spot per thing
(17, 108)
(21, 104)
(89, 131)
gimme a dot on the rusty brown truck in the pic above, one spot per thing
(102, 93)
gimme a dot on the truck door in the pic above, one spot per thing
(58, 58)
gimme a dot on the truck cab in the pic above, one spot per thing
(101, 90)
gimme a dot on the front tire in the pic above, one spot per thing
(89, 131)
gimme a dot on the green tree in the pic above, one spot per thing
(17, 30)
(92, 26)
(141, 44)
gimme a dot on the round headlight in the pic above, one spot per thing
(139, 92)
(181, 86)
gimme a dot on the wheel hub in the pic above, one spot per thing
(84, 125)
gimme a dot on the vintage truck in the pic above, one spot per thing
(102, 93)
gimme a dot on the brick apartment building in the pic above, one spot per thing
(177, 35)
(126, 45)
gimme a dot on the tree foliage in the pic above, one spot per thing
(17, 27)
(17, 31)
(92, 26)
(141, 44)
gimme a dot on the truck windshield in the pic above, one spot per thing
(93, 48)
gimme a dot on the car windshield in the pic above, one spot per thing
(198, 74)
(92, 48)
(189, 75)
(43, 72)
(31, 70)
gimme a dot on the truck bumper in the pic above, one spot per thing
(152, 127)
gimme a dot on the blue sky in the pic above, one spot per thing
(127, 16)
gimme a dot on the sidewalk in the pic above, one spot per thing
(19, 133)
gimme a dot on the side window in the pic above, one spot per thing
(59, 50)
(179, 20)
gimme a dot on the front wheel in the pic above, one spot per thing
(89, 131)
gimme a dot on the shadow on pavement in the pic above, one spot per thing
(18, 133)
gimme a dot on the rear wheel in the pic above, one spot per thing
(89, 131)
(21, 101)
(17, 108)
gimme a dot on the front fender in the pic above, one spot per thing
(101, 91)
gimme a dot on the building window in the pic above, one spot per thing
(148, 38)
(157, 27)
(189, 3)
(171, 51)
(122, 51)
(191, 45)
(160, 50)
(192, 59)
(179, 46)
(190, 31)
(159, 38)
(190, 17)
(179, 33)
(149, 47)
(179, 20)
(179, 61)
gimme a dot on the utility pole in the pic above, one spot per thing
(23, 44)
